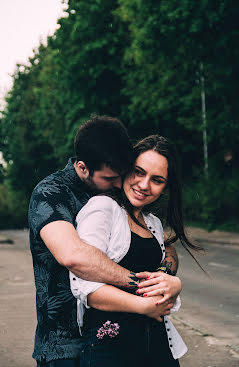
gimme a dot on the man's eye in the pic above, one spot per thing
(109, 178)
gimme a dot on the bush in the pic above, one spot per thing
(13, 208)
(213, 202)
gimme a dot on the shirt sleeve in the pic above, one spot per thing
(50, 202)
(176, 305)
(94, 224)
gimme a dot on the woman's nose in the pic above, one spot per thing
(144, 183)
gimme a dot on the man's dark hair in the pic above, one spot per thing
(104, 140)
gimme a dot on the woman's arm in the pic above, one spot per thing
(158, 283)
(94, 223)
(171, 257)
(109, 298)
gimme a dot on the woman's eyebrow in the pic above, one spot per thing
(157, 176)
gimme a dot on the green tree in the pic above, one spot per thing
(168, 42)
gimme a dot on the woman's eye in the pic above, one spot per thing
(138, 172)
(158, 182)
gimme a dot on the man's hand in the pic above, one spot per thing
(159, 284)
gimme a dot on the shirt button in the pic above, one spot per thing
(74, 278)
(150, 227)
(169, 338)
(166, 321)
(171, 345)
(153, 231)
(168, 329)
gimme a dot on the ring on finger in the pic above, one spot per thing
(162, 292)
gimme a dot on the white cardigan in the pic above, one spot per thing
(103, 223)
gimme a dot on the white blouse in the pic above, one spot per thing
(104, 224)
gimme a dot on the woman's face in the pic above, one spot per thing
(149, 179)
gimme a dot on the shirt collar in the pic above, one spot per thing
(72, 177)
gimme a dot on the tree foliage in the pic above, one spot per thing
(140, 61)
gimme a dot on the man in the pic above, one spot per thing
(103, 154)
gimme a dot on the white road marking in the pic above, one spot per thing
(218, 265)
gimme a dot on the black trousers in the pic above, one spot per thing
(140, 343)
(60, 363)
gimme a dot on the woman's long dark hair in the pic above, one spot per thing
(174, 208)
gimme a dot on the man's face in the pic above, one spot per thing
(104, 179)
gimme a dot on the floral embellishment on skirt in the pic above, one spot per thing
(109, 329)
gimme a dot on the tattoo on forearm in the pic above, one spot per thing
(169, 265)
(167, 254)
(134, 281)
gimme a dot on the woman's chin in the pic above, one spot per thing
(137, 204)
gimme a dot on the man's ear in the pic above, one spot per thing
(81, 169)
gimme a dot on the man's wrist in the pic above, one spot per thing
(133, 281)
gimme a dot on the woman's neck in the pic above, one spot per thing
(136, 228)
(137, 213)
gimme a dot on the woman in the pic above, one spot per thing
(123, 227)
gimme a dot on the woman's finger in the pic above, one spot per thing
(162, 289)
(157, 292)
(165, 298)
(143, 274)
(159, 319)
(149, 282)
(146, 289)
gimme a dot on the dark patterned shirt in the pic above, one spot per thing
(60, 196)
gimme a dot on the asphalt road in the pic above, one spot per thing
(208, 320)
(211, 305)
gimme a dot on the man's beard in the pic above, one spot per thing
(91, 186)
(94, 190)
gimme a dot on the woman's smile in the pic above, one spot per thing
(139, 194)
(148, 180)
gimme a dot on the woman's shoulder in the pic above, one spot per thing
(99, 203)
(102, 201)
(101, 208)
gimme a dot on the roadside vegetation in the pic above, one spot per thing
(164, 67)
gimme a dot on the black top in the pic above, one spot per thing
(60, 196)
(144, 254)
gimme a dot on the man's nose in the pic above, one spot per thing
(117, 183)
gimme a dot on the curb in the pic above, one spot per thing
(216, 241)
(234, 349)
(6, 241)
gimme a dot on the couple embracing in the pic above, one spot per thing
(104, 269)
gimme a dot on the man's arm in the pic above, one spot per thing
(85, 261)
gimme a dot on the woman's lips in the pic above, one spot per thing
(138, 194)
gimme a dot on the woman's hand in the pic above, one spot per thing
(159, 284)
(151, 308)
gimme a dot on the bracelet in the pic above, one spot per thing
(165, 269)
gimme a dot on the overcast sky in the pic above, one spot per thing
(22, 24)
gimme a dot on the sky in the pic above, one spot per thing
(23, 23)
